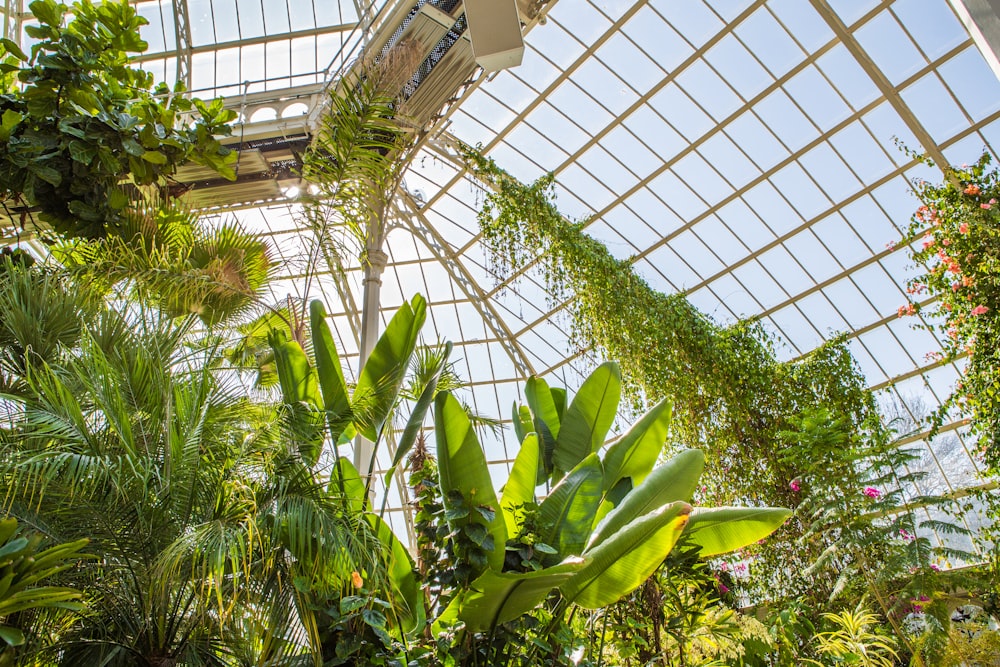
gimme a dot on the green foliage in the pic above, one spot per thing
(354, 165)
(856, 640)
(730, 394)
(23, 566)
(562, 543)
(319, 408)
(171, 259)
(959, 256)
(76, 119)
(677, 618)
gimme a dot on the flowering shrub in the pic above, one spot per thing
(959, 222)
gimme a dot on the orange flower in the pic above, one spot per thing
(357, 580)
(972, 189)
(963, 228)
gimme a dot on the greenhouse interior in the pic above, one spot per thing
(500, 332)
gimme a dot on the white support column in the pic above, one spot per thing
(982, 20)
(182, 34)
(363, 449)
(12, 13)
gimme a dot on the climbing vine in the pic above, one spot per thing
(732, 396)
(958, 292)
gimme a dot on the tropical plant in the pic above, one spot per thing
(958, 292)
(200, 511)
(77, 118)
(732, 395)
(603, 528)
(320, 408)
(855, 639)
(170, 258)
(23, 566)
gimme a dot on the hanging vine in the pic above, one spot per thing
(732, 396)
(960, 257)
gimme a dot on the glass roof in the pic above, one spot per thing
(742, 152)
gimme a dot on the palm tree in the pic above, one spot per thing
(202, 515)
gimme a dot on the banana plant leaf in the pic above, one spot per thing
(301, 394)
(520, 487)
(718, 530)
(674, 480)
(402, 574)
(345, 477)
(567, 514)
(416, 420)
(336, 400)
(498, 597)
(621, 563)
(542, 405)
(462, 467)
(522, 421)
(382, 375)
(298, 383)
(636, 452)
(585, 425)
(559, 400)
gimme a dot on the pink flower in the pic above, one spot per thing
(928, 242)
(872, 492)
(985, 206)
(935, 567)
(794, 485)
(963, 228)
(979, 310)
(906, 309)
(906, 535)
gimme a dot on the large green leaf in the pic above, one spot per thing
(520, 487)
(298, 382)
(301, 395)
(383, 372)
(522, 421)
(542, 405)
(416, 419)
(346, 478)
(498, 597)
(636, 452)
(585, 425)
(462, 467)
(567, 514)
(620, 564)
(402, 574)
(674, 480)
(717, 530)
(336, 400)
